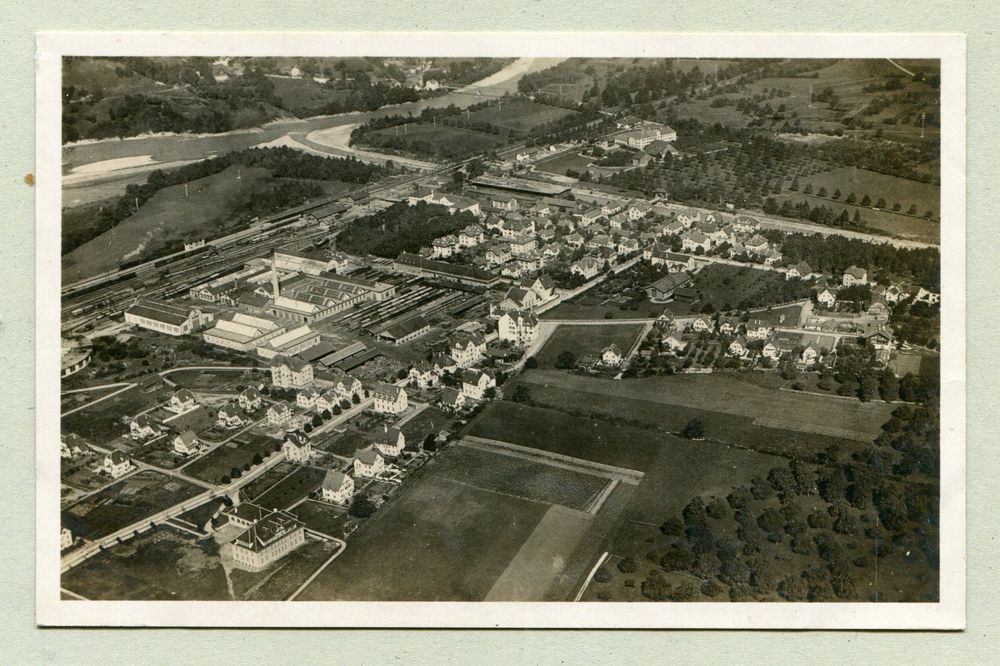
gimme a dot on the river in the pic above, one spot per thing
(96, 170)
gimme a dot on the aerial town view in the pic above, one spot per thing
(500, 329)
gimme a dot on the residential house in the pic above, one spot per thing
(543, 286)
(230, 417)
(756, 244)
(738, 347)
(182, 401)
(693, 240)
(117, 464)
(638, 210)
(389, 399)
(518, 326)
(337, 487)
(279, 414)
(588, 267)
(826, 297)
(611, 356)
(854, 275)
(574, 240)
(422, 375)
(475, 383)
(368, 463)
(296, 447)
(443, 363)
(744, 224)
(589, 217)
(467, 349)
(801, 270)
(519, 298)
(65, 538)
(674, 343)
(390, 442)
(452, 399)
(880, 310)
(810, 355)
(728, 325)
(701, 324)
(346, 386)
(306, 398)
(290, 372)
(144, 427)
(250, 399)
(186, 443)
(758, 330)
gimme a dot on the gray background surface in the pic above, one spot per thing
(24, 643)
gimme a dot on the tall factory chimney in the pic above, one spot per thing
(274, 275)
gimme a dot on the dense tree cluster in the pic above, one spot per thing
(401, 228)
(834, 254)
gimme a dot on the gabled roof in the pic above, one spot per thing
(450, 396)
(367, 456)
(334, 480)
(293, 363)
(857, 272)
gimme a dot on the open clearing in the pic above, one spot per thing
(587, 341)
(102, 422)
(161, 564)
(518, 116)
(126, 502)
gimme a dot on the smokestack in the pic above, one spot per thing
(274, 275)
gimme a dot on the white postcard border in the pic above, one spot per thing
(948, 613)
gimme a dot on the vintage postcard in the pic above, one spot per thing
(501, 330)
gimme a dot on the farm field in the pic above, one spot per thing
(162, 564)
(428, 140)
(587, 341)
(522, 478)
(125, 502)
(925, 196)
(725, 394)
(220, 461)
(459, 538)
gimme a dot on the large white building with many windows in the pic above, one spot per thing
(268, 539)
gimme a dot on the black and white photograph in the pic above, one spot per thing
(647, 332)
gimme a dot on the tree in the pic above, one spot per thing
(836, 194)
(361, 506)
(793, 588)
(317, 420)
(308, 427)
(912, 209)
(851, 198)
(430, 442)
(627, 565)
(866, 200)
(693, 429)
(531, 363)
(566, 360)
(521, 394)
(821, 192)
(672, 527)
(655, 586)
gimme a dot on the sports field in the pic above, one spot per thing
(586, 340)
(439, 540)
(520, 477)
(429, 140)
(518, 116)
